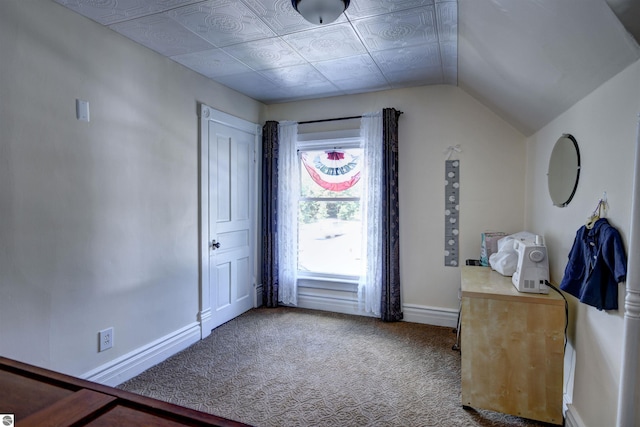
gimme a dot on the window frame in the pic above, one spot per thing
(344, 139)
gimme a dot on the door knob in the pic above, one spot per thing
(214, 245)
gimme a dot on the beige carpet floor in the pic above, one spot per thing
(296, 367)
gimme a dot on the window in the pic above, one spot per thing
(329, 224)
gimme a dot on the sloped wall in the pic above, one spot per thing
(604, 124)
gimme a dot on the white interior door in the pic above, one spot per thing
(228, 222)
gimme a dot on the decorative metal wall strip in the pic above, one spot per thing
(451, 212)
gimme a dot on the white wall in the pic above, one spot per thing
(492, 178)
(604, 124)
(98, 220)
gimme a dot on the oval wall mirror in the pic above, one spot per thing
(564, 170)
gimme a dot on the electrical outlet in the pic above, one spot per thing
(105, 339)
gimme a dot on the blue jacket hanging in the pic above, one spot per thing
(597, 263)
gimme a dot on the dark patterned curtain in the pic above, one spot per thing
(390, 307)
(270, 213)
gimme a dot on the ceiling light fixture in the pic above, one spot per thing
(320, 12)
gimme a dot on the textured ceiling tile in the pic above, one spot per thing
(111, 11)
(279, 15)
(212, 63)
(266, 53)
(410, 58)
(364, 8)
(299, 75)
(162, 34)
(447, 19)
(222, 22)
(253, 85)
(449, 54)
(328, 42)
(362, 85)
(310, 92)
(263, 48)
(399, 29)
(351, 70)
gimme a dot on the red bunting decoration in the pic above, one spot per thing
(333, 170)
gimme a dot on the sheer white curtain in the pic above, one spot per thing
(288, 194)
(370, 283)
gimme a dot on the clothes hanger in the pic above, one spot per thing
(598, 212)
(595, 216)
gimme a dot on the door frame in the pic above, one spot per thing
(206, 115)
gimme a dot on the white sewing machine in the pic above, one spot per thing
(532, 271)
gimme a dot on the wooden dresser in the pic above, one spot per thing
(512, 346)
(39, 398)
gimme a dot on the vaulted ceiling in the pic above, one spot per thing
(528, 60)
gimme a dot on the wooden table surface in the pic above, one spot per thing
(38, 397)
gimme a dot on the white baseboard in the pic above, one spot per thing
(430, 315)
(206, 322)
(566, 402)
(134, 363)
(412, 313)
(572, 418)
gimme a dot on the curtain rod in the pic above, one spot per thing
(334, 120)
(329, 120)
